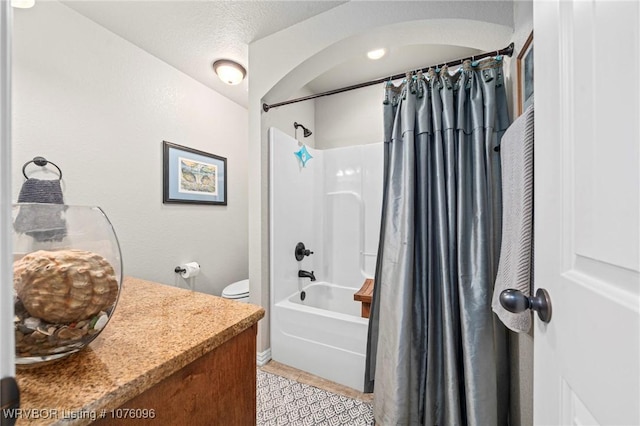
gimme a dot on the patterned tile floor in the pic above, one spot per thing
(284, 401)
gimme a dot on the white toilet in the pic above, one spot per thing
(238, 291)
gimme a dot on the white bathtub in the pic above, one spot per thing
(323, 335)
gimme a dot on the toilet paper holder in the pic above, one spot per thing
(182, 269)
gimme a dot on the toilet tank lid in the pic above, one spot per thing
(236, 289)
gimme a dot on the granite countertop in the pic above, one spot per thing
(155, 331)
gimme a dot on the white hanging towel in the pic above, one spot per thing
(516, 253)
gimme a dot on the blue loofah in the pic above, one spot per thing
(303, 155)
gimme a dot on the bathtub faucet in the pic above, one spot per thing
(306, 274)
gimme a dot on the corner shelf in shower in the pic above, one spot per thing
(364, 295)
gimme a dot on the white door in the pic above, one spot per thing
(587, 91)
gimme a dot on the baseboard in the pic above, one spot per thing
(263, 357)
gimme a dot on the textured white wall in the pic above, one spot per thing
(350, 118)
(100, 107)
(282, 118)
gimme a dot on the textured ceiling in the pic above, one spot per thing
(191, 35)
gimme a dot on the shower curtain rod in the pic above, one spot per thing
(507, 51)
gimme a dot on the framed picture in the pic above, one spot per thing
(525, 75)
(192, 176)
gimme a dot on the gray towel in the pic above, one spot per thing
(516, 252)
(42, 222)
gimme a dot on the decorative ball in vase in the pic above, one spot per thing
(67, 276)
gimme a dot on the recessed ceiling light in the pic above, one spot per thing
(23, 4)
(376, 54)
(229, 71)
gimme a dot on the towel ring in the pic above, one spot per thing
(40, 161)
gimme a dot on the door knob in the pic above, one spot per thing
(515, 301)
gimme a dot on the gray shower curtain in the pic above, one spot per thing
(436, 353)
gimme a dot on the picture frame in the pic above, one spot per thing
(525, 75)
(193, 177)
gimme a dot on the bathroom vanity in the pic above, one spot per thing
(168, 356)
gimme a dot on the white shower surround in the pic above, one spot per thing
(333, 206)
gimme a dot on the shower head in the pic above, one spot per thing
(306, 133)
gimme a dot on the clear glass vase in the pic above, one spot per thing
(67, 276)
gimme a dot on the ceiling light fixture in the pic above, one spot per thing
(229, 71)
(376, 54)
(23, 4)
